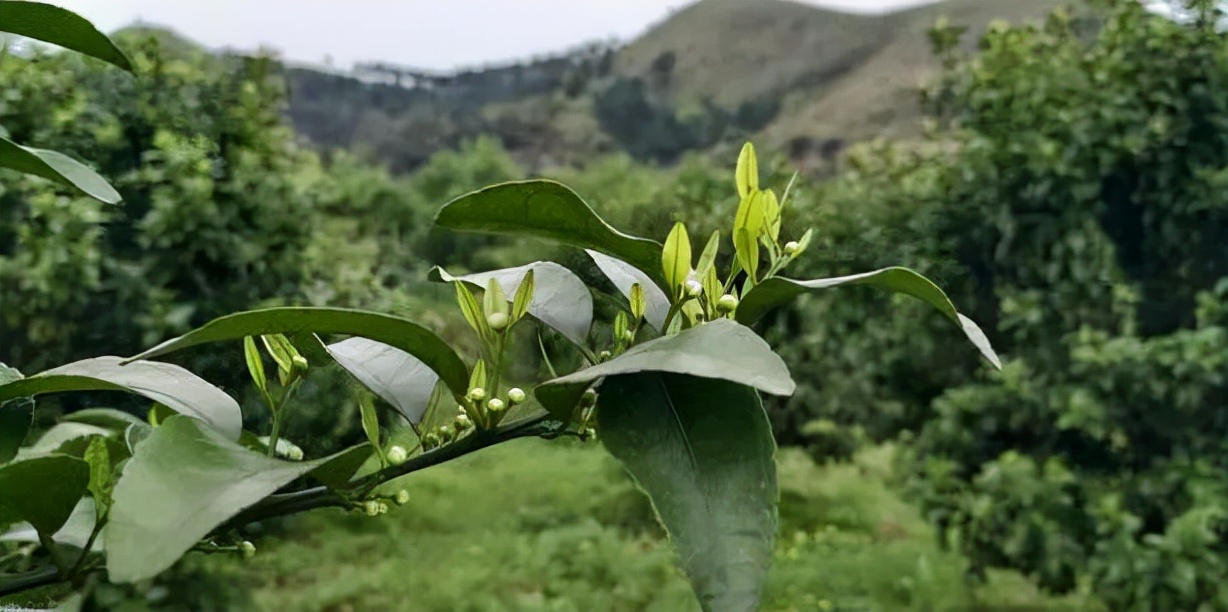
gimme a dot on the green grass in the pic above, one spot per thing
(536, 525)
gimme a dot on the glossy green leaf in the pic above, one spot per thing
(707, 259)
(523, 297)
(549, 210)
(746, 173)
(676, 258)
(778, 291)
(337, 471)
(101, 479)
(56, 167)
(106, 418)
(395, 376)
(181, 482)
(255, 366)
(623, 275)
(165, 383)
(15, 419)
(721, 349)
(75, 532)
(747, 248)
(560, 299)
(64, 438)
(370, 425)
(60, 27)
(394, 331)
(702, 450)
(44, 490)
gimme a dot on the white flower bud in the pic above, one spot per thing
(247, 549)
(462, 422)
(791, 248)
(397, 455)
(477, 394)
(498, 321)
(402, 497)
(371, 508)
(516, 395)
(727, 303)
(294, 453)
(693, 288)
(495, 405)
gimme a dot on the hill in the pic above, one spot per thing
(790, 75)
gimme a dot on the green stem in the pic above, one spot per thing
(56, 557)
(89, 544)
(279, 415)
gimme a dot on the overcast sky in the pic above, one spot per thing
(432, 34)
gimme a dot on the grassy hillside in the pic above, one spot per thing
(569, 532)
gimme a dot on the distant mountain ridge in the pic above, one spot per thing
(791, 75)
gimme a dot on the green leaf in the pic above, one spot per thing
(703, 452)
(777, 291)
(397, 377)
(75, 532)
(164, 383)
(721, 349)
(560, 299)
(336, 472)
(64, 438)
(494, 300)
(56, 167)
(636, 300)
(370, 425)
(394, 331)
(8, 373)
(746, 174)
(101, 482)
(61, 27)
(255, 366)
(549, 210)
(676, 258)
(181, 482)
(523, 297)
(106, 418)
(44, 490)
(623, 275)
(707, 259)
(472, 311)
(747, 248)
(15, 419)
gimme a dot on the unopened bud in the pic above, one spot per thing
(495, 405)
(727, 303)
(589, 398)
(397, 455)
(299, 362)
(693, 288)
(477, 394)
(628, 337)
(588, 433)
(402, 497)
(516, 395)
(462, 422)
(446, 433)
(383, 508)
(294, 453)
(247, 549)
(498, 321)
(430, 440)
(371, 508)
(791, 248)
(603, 355)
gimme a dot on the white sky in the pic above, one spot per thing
(431, 34)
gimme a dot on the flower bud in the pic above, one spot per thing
(371, 508)
(477, 394)
(430, 440)
(462, 422)
(446, 433)
(693, 288)
(588, 433)
(397, 455)
(495, 405)
(402, 497)
(589, 398)
(628, 337)
(498, 321)
(727, 303)
(515, 395)
(294, 453)
(791, 248)
(247, 549)
(603, 355)
(299, 362)
(383, 508)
